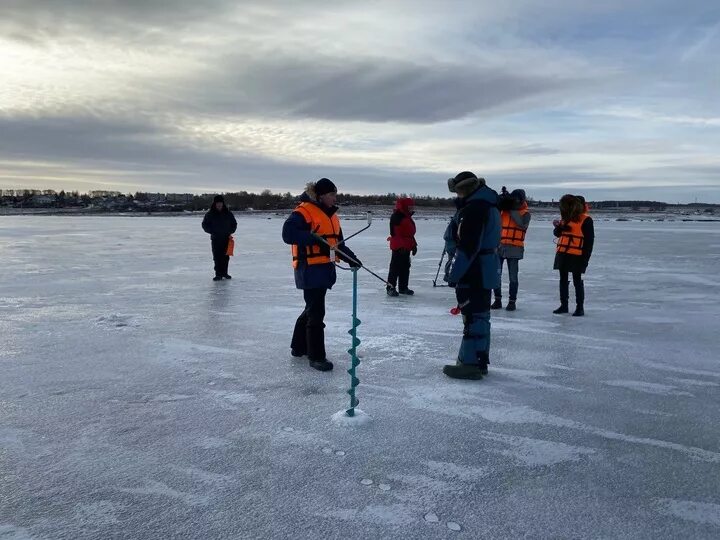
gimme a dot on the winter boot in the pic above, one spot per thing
(321, 365)
(296, 353)
(510, 306)
(579, 299)
(564, 293)
(227, 276)
(497, 304)
(217, 278)
(463, 371)
(408, 292)
(391, 292)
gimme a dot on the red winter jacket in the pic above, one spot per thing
(402, 226)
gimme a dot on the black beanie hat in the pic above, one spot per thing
(324, 186)
(219, 198)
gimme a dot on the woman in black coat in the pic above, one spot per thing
(576, 236)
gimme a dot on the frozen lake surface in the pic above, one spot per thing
(140, 399)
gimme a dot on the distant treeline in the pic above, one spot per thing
(243, 200)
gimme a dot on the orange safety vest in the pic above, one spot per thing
(324, 226)
(511, 234)
(572, 240)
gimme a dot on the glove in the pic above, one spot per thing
(353, 264)
(414, 251)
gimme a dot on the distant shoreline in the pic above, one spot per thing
(381, 212)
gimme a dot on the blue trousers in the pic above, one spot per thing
(513, 267)
(474, 305)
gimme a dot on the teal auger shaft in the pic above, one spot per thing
(354, 360)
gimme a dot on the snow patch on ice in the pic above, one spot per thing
(236, 397)
(698, 512)
(649, 388)
(341, 418)
(693, 382)
(210, 443)
(395, 514)
(536, 452)
(457, 472)
(159, 489)
(97, 514)
(10, 532)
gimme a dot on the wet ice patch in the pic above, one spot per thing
(235, 398)
(211, 443)
(649, 388)
(536, 452)
(698, 512)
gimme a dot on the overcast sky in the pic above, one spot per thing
(613, 99)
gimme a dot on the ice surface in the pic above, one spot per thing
(139, 399)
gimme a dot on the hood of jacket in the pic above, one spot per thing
(403, 205)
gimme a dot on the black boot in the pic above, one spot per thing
(511, 305)
(227, 276)
(408, 292)
(391, 292)
(321, 365)
(579, 299)
(463, 371)
(564, 293)
(297, 353)
(217, 278)
(497, 304)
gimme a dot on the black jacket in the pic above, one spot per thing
(219, 224)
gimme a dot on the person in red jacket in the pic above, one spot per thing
(402, 244)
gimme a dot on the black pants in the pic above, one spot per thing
(400, 268)
(219, 250)
(565, 288)
(309, 335)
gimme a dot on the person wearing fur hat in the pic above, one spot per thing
(515, 218)
(474, 272)
(219, 222)
(402, 244)
(576, 236)
(312, 229)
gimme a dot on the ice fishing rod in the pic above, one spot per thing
(442, 257)
(353, 260)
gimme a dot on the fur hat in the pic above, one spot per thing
(465, 181)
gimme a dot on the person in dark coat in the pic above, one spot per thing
(219, 223)
(475, 270)
(576, 237)
(310, 228)
(402, 244)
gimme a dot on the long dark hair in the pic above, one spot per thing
(571, 208)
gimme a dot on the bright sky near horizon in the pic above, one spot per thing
(617, 99)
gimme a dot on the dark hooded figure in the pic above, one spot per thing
(313, 230)
(402, 244)
(475, 270)
(219, 223)
(576, 236)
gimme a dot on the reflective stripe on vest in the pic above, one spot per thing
(573, 240)
(327, 227)
(511, 234)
